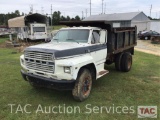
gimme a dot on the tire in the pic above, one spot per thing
(126, 62)
(118, 61)
(83, 85)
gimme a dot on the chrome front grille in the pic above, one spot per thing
(38, 55)
(39, 61)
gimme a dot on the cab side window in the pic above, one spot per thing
(95, 37)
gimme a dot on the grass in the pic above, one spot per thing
(3, 39)
(140, 86)
(57, 27)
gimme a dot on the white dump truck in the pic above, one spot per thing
(76, 56)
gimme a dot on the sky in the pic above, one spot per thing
(75, 7)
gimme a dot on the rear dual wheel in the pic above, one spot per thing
(126, 62)
(123, 62)
(118, 59)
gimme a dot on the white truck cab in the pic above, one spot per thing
(73, 59)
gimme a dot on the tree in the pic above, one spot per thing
(63, 18)
(49, 20)
(22, 13)
(17, 13)
(68, 18)
(77, 18)
(149, 17)
(2, 19)
(5, 17)
(56, 17)
(72, 19)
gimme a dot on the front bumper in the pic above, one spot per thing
(49, 82)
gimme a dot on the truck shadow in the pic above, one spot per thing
(109, 78)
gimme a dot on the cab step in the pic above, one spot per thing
(102, 73)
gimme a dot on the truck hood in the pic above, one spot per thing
(65, 49)
(57, 46)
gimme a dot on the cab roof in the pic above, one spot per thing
(81, 27)
(98, 24)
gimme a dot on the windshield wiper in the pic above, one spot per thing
(55, 39)
(73, 40)
(70, 39)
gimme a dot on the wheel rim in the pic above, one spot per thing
(86, 85)
(129, 63)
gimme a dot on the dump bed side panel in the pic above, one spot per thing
(121, 39)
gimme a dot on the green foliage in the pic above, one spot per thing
(68, 18)
(3, 39)
(77, 18)
(5, 17)
(62, 18)
(57, 17)
(153, 18)
(57, 27)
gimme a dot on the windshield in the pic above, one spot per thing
(72, 35)
(38, 29)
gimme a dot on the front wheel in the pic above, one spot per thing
(83, 85)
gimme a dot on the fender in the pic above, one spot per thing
(76, 63)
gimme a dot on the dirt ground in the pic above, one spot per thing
(21, 45)
(147, 47)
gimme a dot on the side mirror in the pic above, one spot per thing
(103, 36)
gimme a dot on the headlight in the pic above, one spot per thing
(67, 69)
